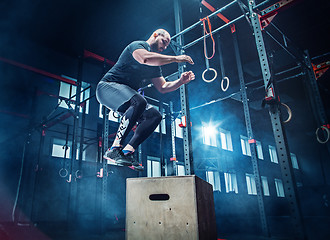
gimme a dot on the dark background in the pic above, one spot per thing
(52, 35)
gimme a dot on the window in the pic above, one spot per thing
(246, 150)
(294, 161)
(83, 154)
(213, 178)
(231, 182)
(273, 155)
(113, 116)
(58, 149)
(68, 90)
(251, 184)
(178, 129)
(265, 187)
(180, 170)
(153, 167)
(259, 150)
(209, 136)
(279, 188)
(225, 138)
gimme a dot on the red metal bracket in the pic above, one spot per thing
(327, 126)
(183, 122)
(270, 94)
(321, 68)
(88, 54)
(36, 70)
(222, 17)
(268, 14)
(100, 173)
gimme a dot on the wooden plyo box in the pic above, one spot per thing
(170, 208)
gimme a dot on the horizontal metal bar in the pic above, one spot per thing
(276, 74)
(283, 47)
(214, 101)
(197, 23)
(69, 99)
(155, 100)
(86, 99)
(39, 71)
(320, 56)
(213, 32)
(282, 80)
(262, 3)
(288, 70)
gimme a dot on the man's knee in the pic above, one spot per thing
(139, 101)
(154, 114)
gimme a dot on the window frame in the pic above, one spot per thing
(150, 166)
(214, 180)
(85, 94)
(279, 187)
(273, 154)
(232, 185)
(245, 146)
(251, 184)
(225, 140)
(209, 139)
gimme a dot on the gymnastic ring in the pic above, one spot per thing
(76, 174)
(317, 134)
(227, 80)
(63, 175)
(114, 114)
(289, 112)
(215, 75)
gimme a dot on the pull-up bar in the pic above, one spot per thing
(211, 15)
(213, 32)
(216, 30)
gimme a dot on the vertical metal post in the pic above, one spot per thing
(82, 133)
(314, 93)
(34, 207)
(280, 138)
(184, 101)
(73, 185)
(254, 158)
(104, 162)
(162, 160)
(222, 67)
(105, 146)
(140, 155)
(173, 140)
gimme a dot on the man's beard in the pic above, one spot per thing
(154, 47)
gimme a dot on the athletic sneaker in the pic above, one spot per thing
(136, 165)
(117, 156)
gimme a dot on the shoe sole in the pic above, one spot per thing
(125, 163)
(114, 161)
(137, 168)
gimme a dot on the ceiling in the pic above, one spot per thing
(106, 27)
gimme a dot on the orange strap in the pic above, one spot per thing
(210, 32)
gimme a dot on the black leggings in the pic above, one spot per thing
(135, 111)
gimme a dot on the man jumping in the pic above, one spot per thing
(117, 90)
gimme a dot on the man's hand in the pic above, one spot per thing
(184, 58)
(186, 77)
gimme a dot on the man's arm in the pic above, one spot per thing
(155, 59)
(164, 87)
